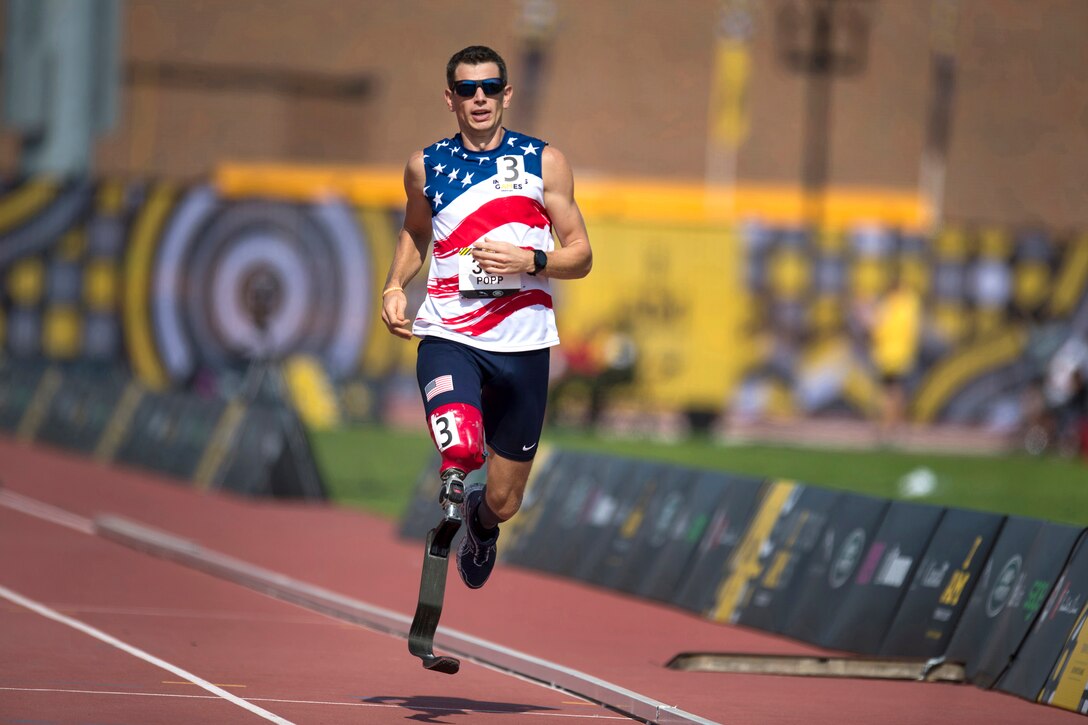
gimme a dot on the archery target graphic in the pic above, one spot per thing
(237, 280)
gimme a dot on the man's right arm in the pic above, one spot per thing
(412, 243)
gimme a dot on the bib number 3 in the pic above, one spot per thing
(474, 282)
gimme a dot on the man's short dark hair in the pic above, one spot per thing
(474, 55)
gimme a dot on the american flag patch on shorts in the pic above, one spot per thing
(441, 384)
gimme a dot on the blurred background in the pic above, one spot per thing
(850, 224)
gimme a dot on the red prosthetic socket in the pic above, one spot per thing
(457, 430)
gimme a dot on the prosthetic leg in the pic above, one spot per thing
(457, 430)
(432, 583)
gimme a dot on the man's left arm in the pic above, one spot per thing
(574, 257)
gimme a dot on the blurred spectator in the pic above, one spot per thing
(596, 366)
(1059, 419)
(894, 326)
(619, 355)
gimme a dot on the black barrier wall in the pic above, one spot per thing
(256, 447)
(848, 572)
(170, 433)
(21, 393)
(712, 563)
(882, 578)
(703, 511)
(771, 598)
(1027, 558)
(1031, 670)
(825, 581)
(606, 560)
(1067, 686)
(942, 584)
(584, 516)
(81, 407)
(649, 534)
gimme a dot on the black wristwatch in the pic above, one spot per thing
(540, 261)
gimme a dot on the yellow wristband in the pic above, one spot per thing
(392, 289)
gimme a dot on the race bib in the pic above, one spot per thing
(509, 173)
(473, 282)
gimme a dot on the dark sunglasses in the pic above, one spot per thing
(491, 86)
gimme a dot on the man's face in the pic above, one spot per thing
(480, 111)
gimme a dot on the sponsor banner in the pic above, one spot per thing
(743, 568)
(942, 584)
(684, 511)
(18, 382)
(666, 524)
(886, 570)
(1048, 654)
(783, 556)
(169, 433)
(567, 523)
(1067, 686)
(641, 532)
(81, 408)
(690, 571)
(550, 500)
(1026, 560)
(621, 497)
(828, 576)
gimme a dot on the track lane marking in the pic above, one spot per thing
(101, 636)
(183, 682)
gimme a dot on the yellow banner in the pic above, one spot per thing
(729, 91)
(676, 290)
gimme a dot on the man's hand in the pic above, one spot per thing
(393, 305)
(495, 257)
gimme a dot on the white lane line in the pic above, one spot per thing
(436, 708)
(45, 511)
(48, 613)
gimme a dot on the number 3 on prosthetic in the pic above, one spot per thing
(445, 430)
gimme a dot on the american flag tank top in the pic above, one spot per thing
(497, 194)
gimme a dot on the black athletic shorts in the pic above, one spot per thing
(509, 388)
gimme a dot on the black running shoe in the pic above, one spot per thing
(476, 557)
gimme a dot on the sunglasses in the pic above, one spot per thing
(491, 86)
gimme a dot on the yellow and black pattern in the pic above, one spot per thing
(59, 248)
(173, 280)
(989, 295)
(227, 281)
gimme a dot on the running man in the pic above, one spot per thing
(486, 204)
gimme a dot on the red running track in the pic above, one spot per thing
(280, 660)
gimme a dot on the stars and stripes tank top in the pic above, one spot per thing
(497, 194)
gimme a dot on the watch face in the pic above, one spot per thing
(540, 259)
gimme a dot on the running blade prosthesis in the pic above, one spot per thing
(432, 584)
